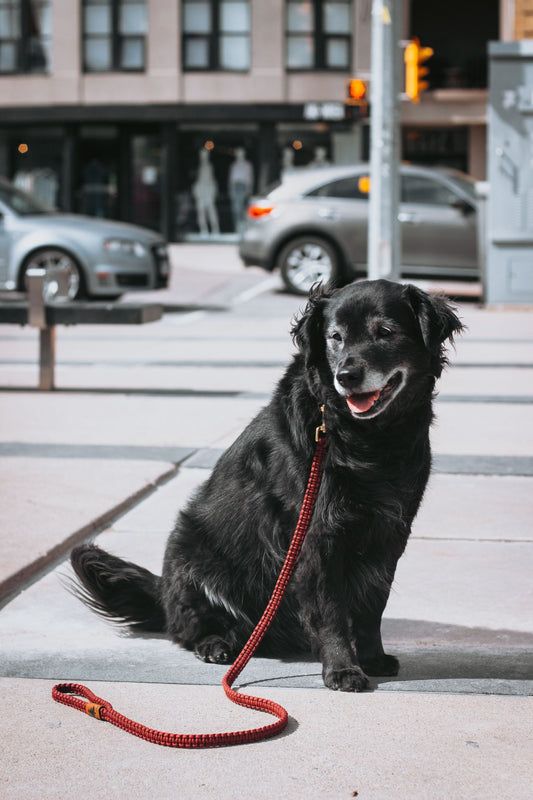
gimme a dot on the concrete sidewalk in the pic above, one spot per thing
(138, 422)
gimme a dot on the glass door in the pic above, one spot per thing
(147, 157)
(99, 151)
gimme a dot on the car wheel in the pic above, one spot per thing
(306, 261)
(63, 278)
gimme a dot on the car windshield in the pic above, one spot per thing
(468, 185)
(21, 203)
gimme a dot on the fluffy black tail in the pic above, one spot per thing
(118, 589)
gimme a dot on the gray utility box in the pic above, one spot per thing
(509, 258)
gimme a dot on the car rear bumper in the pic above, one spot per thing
(254, 261)
(252, 254)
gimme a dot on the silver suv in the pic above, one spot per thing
(313, 225)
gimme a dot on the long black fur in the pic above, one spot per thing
(228, 545)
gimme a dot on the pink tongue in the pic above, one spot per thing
(359, 403)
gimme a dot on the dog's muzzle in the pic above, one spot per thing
(368, 404)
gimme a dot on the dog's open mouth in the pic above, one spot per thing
(370, 404)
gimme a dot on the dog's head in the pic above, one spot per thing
(375, 343)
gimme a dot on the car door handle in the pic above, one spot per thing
(327, 213)
(405, 216)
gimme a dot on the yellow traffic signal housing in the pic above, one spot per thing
(414, 57)
(357, 95)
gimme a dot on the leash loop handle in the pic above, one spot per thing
(80, 697)
(70, 694)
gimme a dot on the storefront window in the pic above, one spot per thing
(114, 35)
(37, 163)
(213, 194)
(216, 35)
(25, 36)
(318, 34)
(301, 146)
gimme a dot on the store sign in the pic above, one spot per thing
(329, 111)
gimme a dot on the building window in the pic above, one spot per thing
(318, 34)
(216, 35)
(460, 57)
(25, 36)
(114, 35)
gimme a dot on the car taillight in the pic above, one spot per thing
(259, 211)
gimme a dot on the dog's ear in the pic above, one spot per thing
(307, 330)
(437, 321)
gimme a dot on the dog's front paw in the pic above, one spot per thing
(214, 650)
(383, 666)
(350, 679)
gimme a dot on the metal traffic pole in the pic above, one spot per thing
(386, 69)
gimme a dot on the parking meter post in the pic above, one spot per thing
(35, 282)
(47, 358)
(35, 286)
(383, 228)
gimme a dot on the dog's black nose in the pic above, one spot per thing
(350, 375)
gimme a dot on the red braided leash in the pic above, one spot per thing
(71, 694)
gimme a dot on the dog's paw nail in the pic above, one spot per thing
(351, 679)
(213, 650)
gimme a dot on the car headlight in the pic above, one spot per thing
(126, 247)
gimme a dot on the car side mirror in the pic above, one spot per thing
(463, 206)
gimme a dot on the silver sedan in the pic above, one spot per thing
(82, 256)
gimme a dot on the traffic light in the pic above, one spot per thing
(357, 95)
(414, 56)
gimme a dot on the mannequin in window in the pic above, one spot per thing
(241, 183)
(287, 159)
(320, 158)
(204, 191)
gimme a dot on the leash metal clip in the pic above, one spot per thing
(321, 429)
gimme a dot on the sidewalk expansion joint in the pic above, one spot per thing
(169, 454)
(19, 581)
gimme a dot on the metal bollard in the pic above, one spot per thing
(37, 318)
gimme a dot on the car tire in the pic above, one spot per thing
(63, 276)
(308, 260)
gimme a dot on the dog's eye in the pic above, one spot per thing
(384, 331)
(336, 336)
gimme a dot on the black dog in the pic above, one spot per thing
(370, 352)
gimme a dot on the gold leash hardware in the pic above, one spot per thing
(321, 428)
